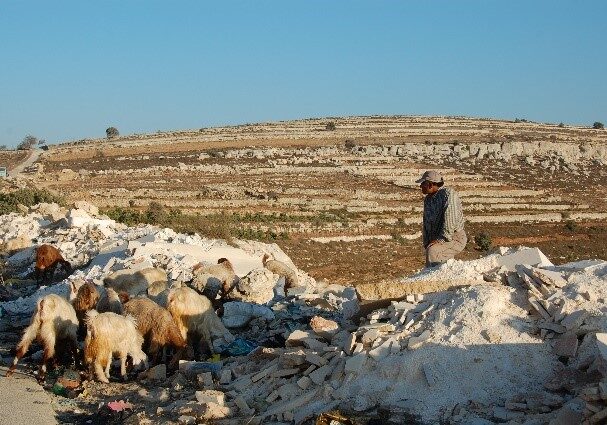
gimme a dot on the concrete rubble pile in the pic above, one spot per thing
(521, 341)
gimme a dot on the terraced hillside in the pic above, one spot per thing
(343, 202)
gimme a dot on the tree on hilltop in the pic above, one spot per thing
(112, 132)
(28, 142)
(598, 125)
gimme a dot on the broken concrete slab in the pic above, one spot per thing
(323, 327)
(381, 351)
(237, 314)
(574, 320)
(210, 396)
(320, 374)
(417, 341)
(549, 277)
(295, 338)
(566, 345)
(531, 256)
(355, 363)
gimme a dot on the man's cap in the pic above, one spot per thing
(431, 176)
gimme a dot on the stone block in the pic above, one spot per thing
(260, 375)
(549, 277)
(574, 320)
(566, 345)
(292, 359)
(314, 344)
(370, 336)
(355, 363)
(323, 327)
(226, 377)
(186, 420)
(284, 372)
(290, 405)
(288, 391)
(531, 256)
(210, 396)
(157, 373)
(417, 341)
(339, 338)
(242, 384)
(382, 350)
(304, 382)
(295, 338)
(237, 314)
(242, 405)
(315, 359)
(320, 374)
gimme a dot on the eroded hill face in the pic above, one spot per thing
(343, 203)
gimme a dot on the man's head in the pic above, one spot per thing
(430, 182)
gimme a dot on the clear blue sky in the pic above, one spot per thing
(70, 69)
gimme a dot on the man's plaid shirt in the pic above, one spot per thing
(443, 215)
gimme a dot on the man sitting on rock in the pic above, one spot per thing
(443, 228)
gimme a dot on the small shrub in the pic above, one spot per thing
(483, 241)
(398, 238)
(561, 125)
(3, 147)
(330, 126)
(155, 213)
(598, 125)
(27, 197)
(350, 144)
(111, 132)
(571, 225)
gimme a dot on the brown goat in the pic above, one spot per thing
(83, 299)
(53, 321)
(47, 259)
(157, 327)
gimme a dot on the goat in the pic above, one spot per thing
(195, 317)
(83, 299)
(137, 282)
(158, 328)
(111, 334)
(281, 269)
(112, 302)
(223, 270)
(47, 259)
(53, 321)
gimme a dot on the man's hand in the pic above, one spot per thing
(435, 241)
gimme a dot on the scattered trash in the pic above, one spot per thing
(238, 347)
(59, 389)
(191, 368)
(119, 405)
(70, 379)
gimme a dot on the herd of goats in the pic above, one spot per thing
(180, 321)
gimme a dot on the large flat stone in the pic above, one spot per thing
(530, 256)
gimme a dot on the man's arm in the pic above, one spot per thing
(453, 216)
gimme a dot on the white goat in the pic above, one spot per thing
(53, 321)
(195, 317)
(111, 334)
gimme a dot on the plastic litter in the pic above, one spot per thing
(238, 347)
